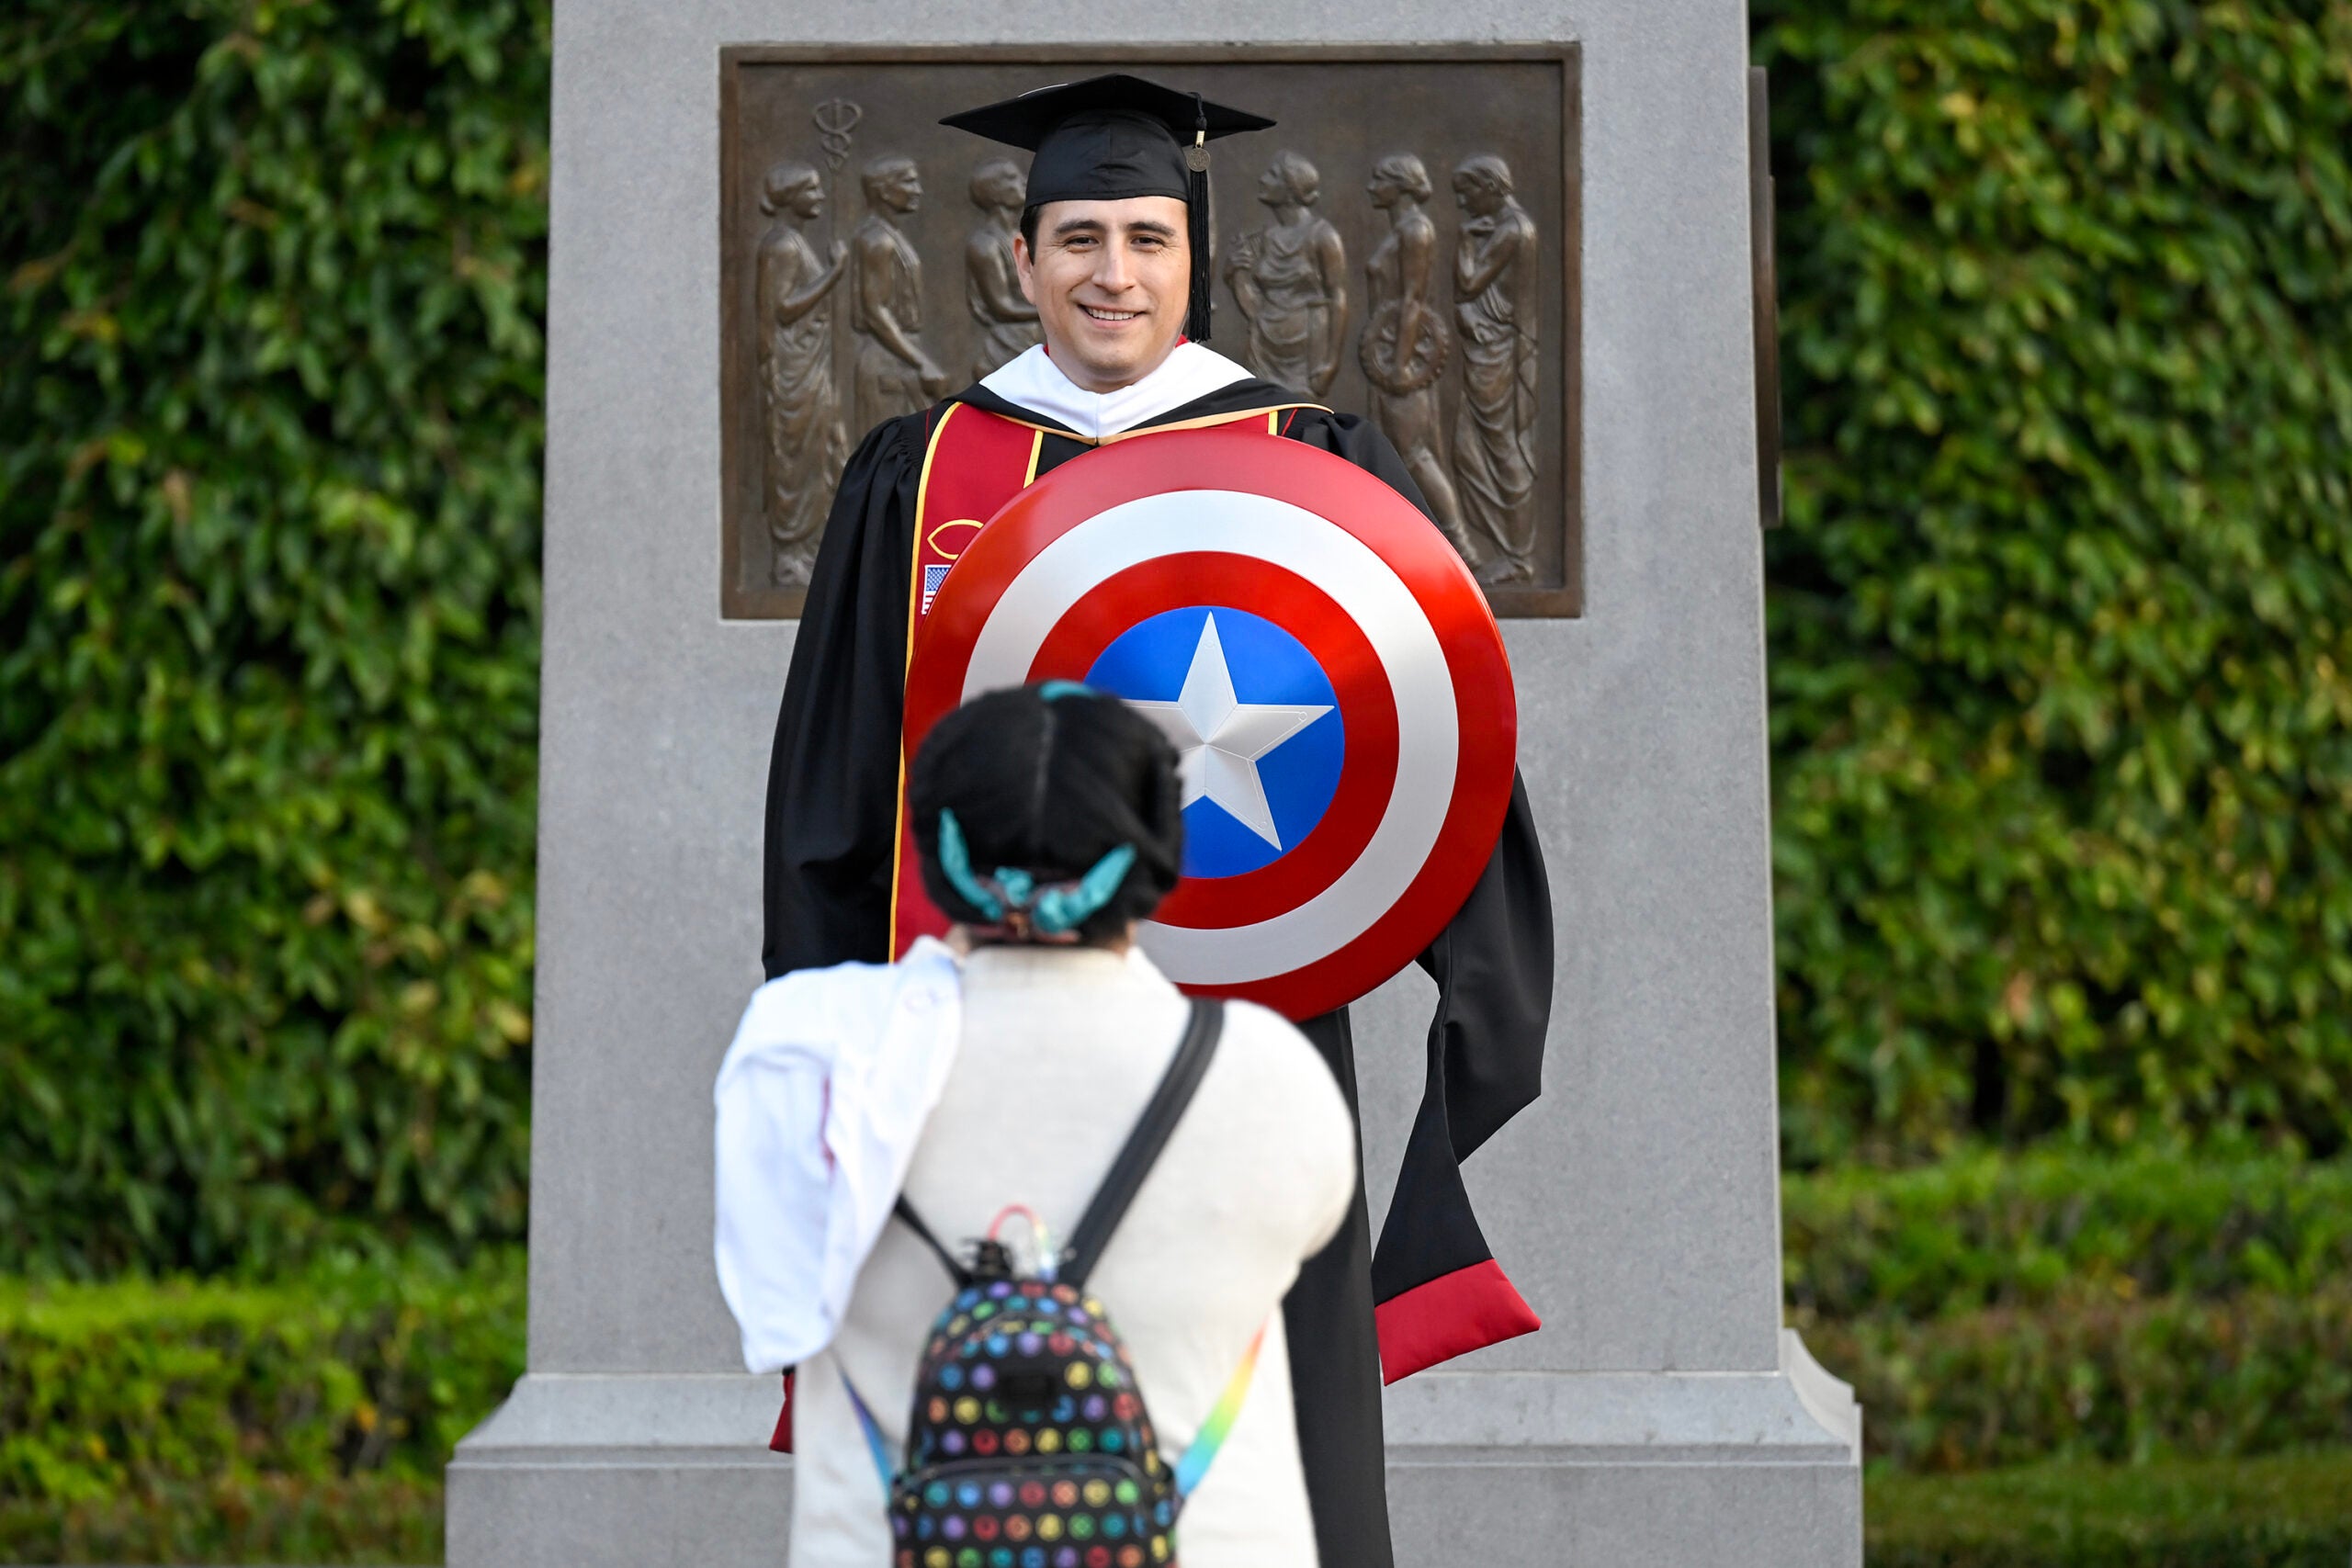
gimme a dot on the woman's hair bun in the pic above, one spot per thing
(1046, 780)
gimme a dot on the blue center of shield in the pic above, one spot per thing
(1255, 722)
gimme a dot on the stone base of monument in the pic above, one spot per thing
(1624, 1469)
(1679, 1470)
(623, 1470)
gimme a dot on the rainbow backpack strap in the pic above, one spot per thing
(875, 1444)
(1220, 1424)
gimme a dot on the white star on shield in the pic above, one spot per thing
(1219, 740)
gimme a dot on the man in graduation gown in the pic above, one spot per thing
(1113, 254)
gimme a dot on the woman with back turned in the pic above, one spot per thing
(991, 1083)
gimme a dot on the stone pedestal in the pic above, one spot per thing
(1663, 1416)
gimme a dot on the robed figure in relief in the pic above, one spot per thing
(895, 373)
(1495, 305)
(805, 444)
(1407, 342)
(1290, 278)
(1007, 323)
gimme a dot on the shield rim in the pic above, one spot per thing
(1357, 502)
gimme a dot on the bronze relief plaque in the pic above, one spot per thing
(1403, 245)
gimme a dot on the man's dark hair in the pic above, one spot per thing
(1049, 785)
(1029, 227)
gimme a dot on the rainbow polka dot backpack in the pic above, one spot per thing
(1028, 1445)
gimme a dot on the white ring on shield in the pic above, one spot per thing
(1370, 592)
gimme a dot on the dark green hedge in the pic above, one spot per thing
(2257, 1373)
(305, 1421)
(129, 1390)
(2061, 621)
(2051, 1228)
(271, 279)
(2290, 1512)
(271, 1518)
(1996, 1309)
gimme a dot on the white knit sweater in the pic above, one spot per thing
(1061, 1049)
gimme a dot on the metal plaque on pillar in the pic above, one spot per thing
(1403, 246)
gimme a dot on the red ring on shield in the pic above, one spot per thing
(1242, 519)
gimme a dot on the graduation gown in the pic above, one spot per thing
(1431, 1289)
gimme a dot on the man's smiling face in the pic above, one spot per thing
(1111, 281)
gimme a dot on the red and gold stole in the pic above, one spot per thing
(975, 462)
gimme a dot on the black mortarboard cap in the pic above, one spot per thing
(1109, 138)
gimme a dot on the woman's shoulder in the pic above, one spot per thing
(1258, 1022)
(816, 1010)
(1270, 1043)
(1282, 1124)
(1268, 1057)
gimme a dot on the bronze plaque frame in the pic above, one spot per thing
(746, 592)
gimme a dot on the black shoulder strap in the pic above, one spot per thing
(956, 1271)
(1151, 1132)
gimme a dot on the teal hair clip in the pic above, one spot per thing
(1013, 896)
(956, 859)
(1065, 905)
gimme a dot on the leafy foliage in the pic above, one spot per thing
(1998, 1310)
(271, 281)
(369, 1518)
(2257, 1373)
(129, 1388)
(2289, 1512)
(2053, 1227)
(2061, 623)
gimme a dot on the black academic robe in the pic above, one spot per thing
(832, 821)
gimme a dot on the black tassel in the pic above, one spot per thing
(1196, 197)
(1196, 224)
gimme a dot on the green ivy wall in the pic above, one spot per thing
(2060, 623)
(271, 284)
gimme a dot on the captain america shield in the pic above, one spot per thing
(1334, 684)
